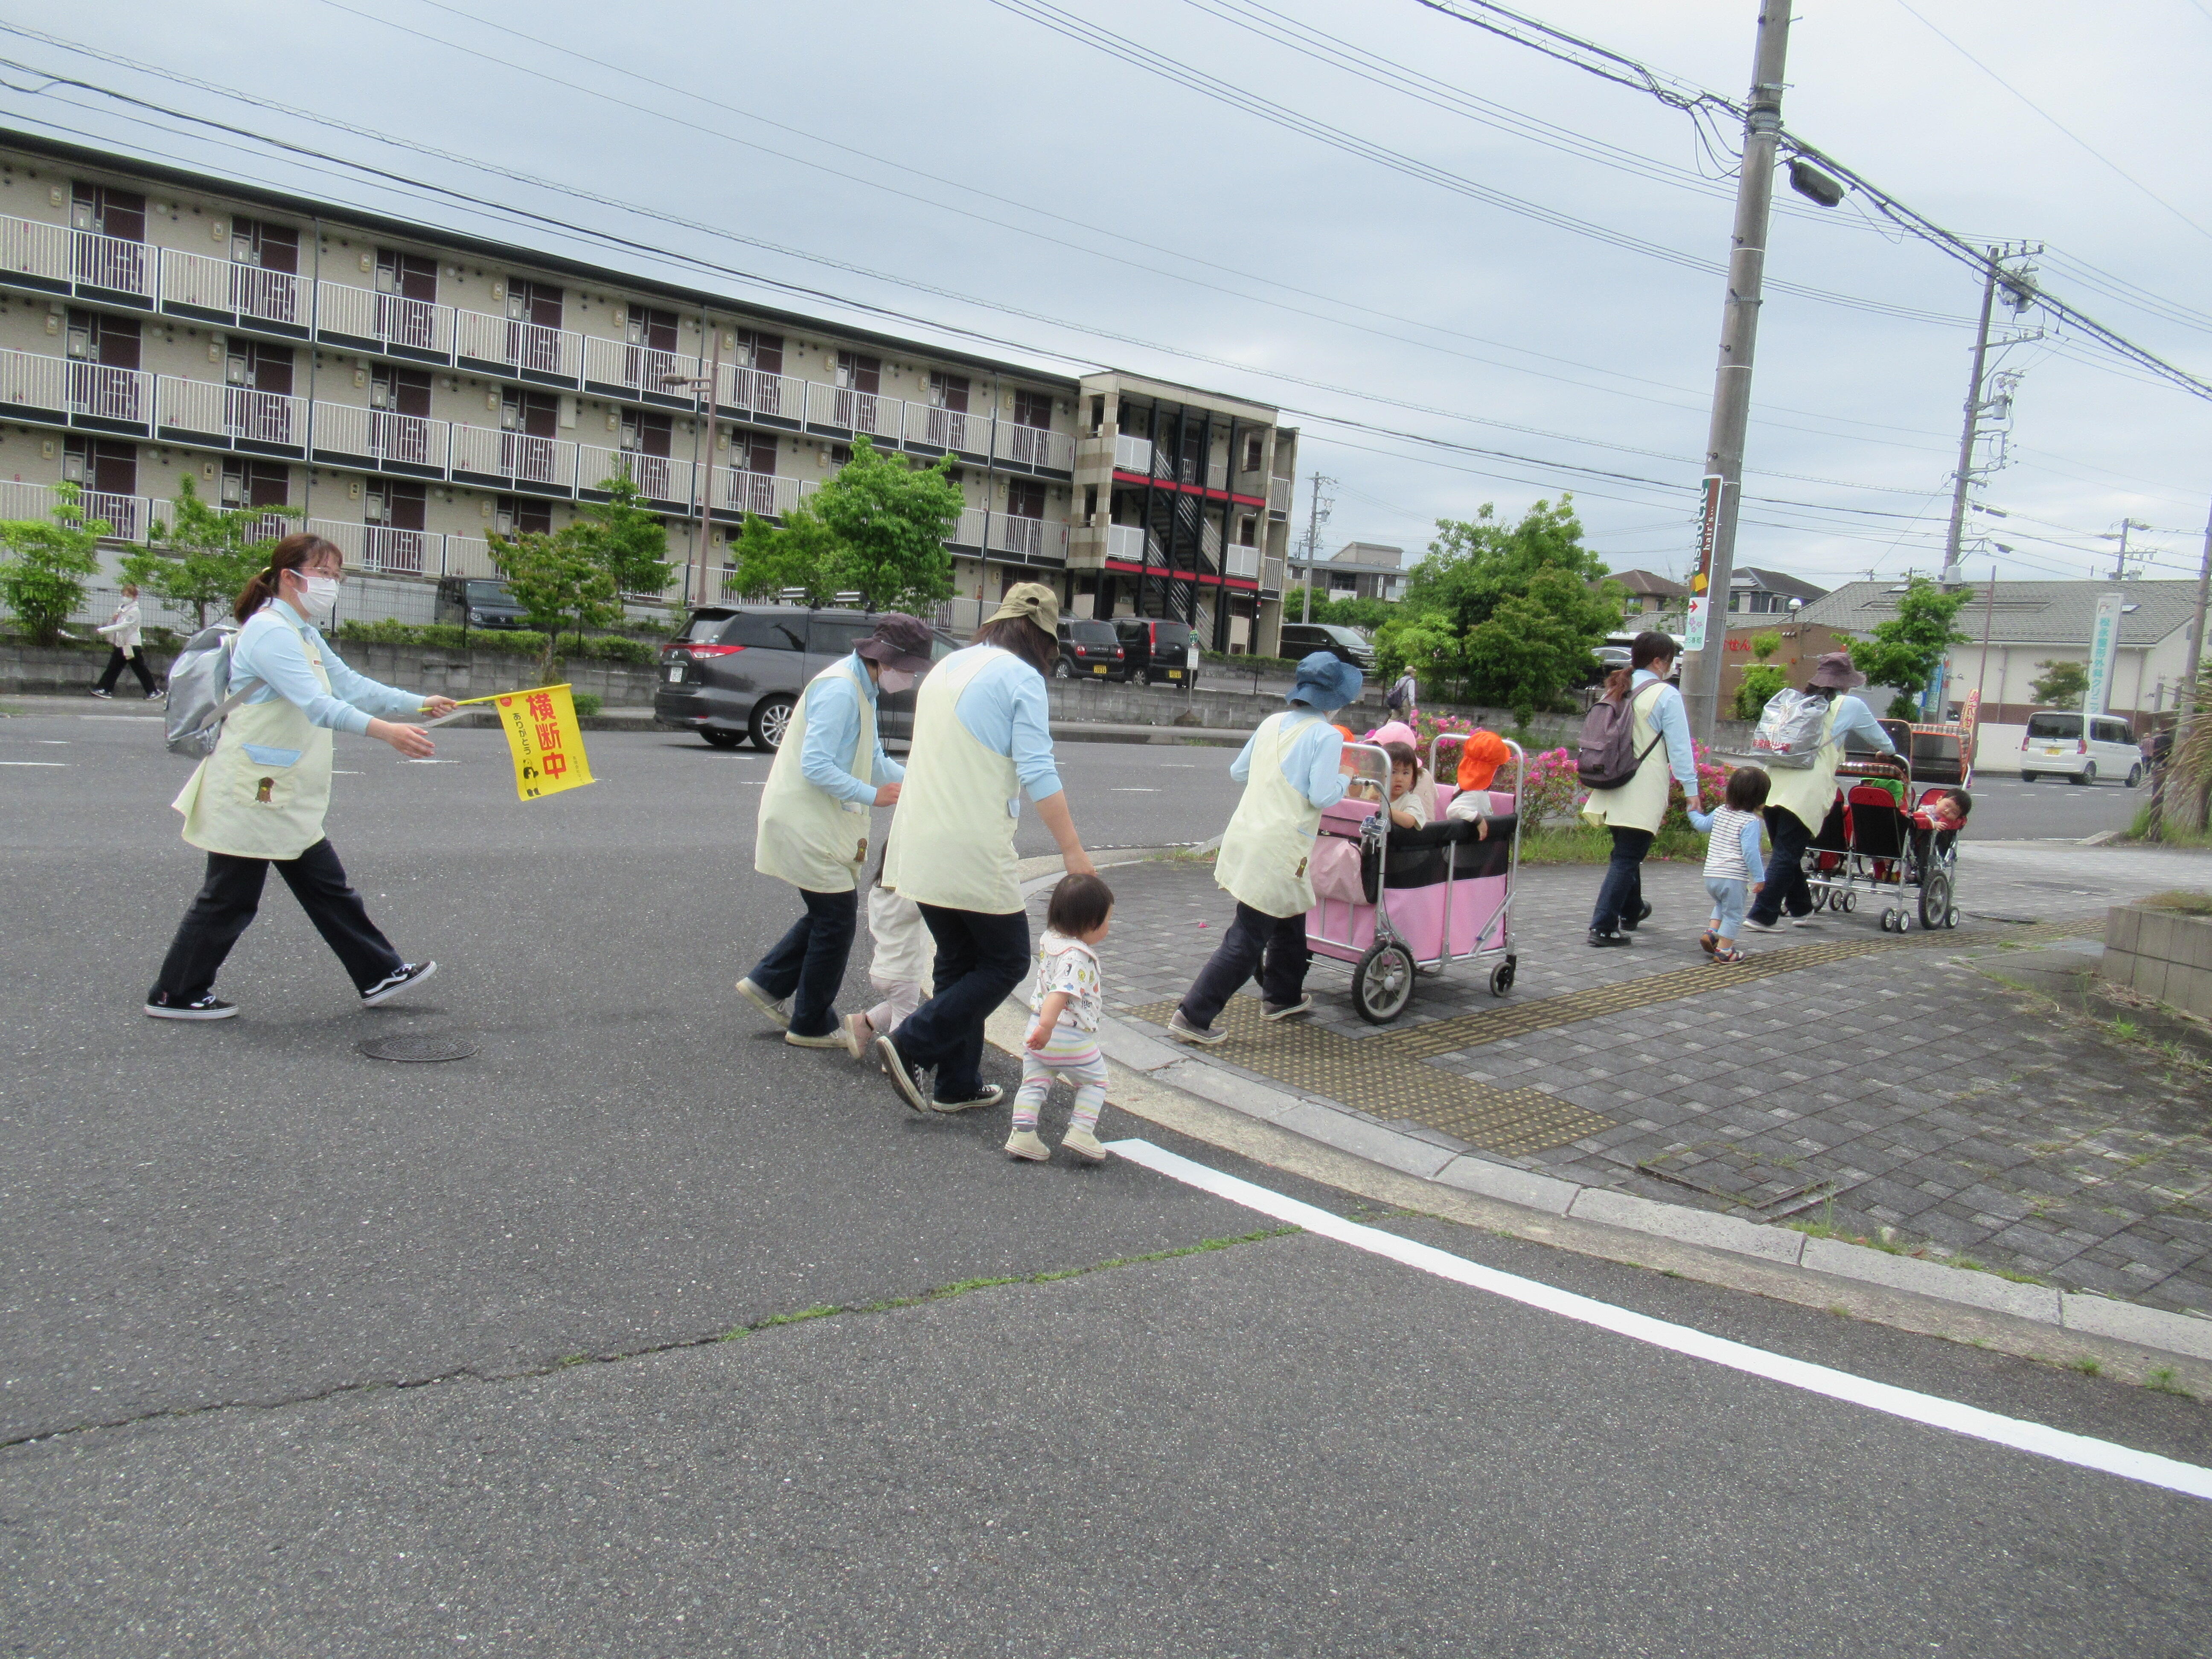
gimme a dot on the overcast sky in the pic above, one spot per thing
(959, 161)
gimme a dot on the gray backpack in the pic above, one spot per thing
(1790, 729)
(200, 698)
(1607, 757)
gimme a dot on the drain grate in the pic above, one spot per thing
(421, 1046)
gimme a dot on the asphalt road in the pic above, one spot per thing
(308, 1353)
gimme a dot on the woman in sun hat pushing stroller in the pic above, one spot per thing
(1798, 798)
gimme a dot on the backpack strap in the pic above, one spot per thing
(1657, 735)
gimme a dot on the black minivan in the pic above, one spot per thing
(1089, 651)
(1157, 648)
(1344, 644)
(478, 602)
(736, 671)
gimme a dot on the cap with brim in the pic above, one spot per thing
(900, 642)
(1324, 680)
(1834, 672)
(1031, 600)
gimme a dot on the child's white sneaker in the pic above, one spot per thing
(1083, 1144)
(859, 1035)
(1026, 1143)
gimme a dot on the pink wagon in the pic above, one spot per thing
(1396, 903)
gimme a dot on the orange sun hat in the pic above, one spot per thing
(1479, 762)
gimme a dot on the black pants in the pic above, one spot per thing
(232, 893)
(808, 963)
(1620, 894)
(1785, 887)
(1273, 947)
(979, 958)
(115, 661)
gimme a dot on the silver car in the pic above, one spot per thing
(736, 671)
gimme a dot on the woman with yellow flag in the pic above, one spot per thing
(260, 799)
(813, 826)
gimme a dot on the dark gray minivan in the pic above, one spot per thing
(736, 671)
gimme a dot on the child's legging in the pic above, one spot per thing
(1073, 1053)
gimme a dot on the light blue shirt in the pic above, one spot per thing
(1671, 721)
(833, 733)
(1855, 717)
(1310, 758)
(1753, 859)
(1007, 708)
(270, 649)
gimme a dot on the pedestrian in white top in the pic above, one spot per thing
(1068, 998)
(899, 973)
(1632, 813)
(1733, 862)
(122, 632)
(260, 799)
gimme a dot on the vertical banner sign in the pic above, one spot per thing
(1693, 632)
(2104, 653)
(543, 737)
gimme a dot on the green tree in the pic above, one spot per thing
(1345, 610)
(1904, 651)
(42, 578)
(559, 582)
(888, 520)
(2061, 685)
(800, 554)
(203, 555)
(625, 539)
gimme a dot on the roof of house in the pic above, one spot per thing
(1373, 554)
(1647, 581)
(1775, 581)
(2056, 613)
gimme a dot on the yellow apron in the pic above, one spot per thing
(1266, 851)
(1640, 803)
(805, 835)
(952, 836)
(1807, 792)
(264, 792)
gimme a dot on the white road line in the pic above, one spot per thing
(1131, 789)
(33, 762)
(122, 717)
(1937, 1412)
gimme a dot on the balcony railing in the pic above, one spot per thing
(1271, 575)
(222, 288)
(845, 409)
(930, 427)
(40, 252)
(514, 459)
(662, 478)
(469, 555)
(108, 395)
(1278, 497)
(766, 494)
(1242, 562)
(386, 323)
(381, 439)
(1034, 446)
(780, 397)
(1132, 453)
(967, 530)
(203, 411)
(1128, 544)
(1038, 540)
(112, 265)
(529, 350)
(643, 370)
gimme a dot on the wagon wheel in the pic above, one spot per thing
(1382, 983)
(1501, 978)
(1936, 898)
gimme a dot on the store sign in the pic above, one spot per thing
(1709, 519)
(2103, 654)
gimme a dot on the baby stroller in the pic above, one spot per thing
(1870, 842)
(1396, 903)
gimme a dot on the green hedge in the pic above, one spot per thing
(514, 641)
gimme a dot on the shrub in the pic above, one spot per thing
(588, 704)
(615, 648)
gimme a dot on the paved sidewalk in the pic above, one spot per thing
(1886, 1086)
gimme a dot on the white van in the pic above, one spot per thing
(2057, 745)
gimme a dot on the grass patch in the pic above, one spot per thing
(1590, 843)
(2086, 1366)
(2181, 899)
(2159, 1380)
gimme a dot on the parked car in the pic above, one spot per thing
(1303, 639)
(2061, 743)
(1089, 651)
(1158, 649)
(735, 671)
(475, 602)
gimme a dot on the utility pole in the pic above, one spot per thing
(2185, 703)
(2120, 569)
(1706, 648)
(1314, 518)
(1968, 432)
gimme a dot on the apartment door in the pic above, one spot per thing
(530, 452)
(752, 488)
(758, 383)
(108, 249)
(258, 397)
(397, 511)
(647, 439)
(521, 515)
(651, 356)
(106, 470)
(859, 379)
(103, 367)
(1024, 530)
(265, 264)
(247, 484)
(946, 427)
(407, 299)
(533, 326)
(1032, 416)
(399, 415)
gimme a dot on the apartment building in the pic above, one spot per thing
(411, 390)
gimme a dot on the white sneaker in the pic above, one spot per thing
(1806, 921)
(826, 1040)
(777, 1013)
(859, 1035)
(1084, 1144)
(1758, 927)
(1026, 1143)
(1183, 1031)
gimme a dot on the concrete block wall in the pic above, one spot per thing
(2162, 954)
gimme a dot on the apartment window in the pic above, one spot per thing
(647, 434)
(840, 454)
(258, 367)
(101, 465)
(267, 246)
(1248, 532)
(520, 515)
(105, 212)
(1024, 499)
(652, 329)
(948, 392)
(396, 504)
(536, 303)
(402, 391)
(406, 276)
(753, 452)
(1090, 504)
(1033, 408)
(760, 351)
(1253, 446)
(857, 372)
(111, 341)
(536, 414)
(256, 483)
(1097, 415)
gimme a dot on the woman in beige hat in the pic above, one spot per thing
(982, 738)
(1798, 798)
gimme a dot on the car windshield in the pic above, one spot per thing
(1091, 633)
(490, 593)
(2054, 725)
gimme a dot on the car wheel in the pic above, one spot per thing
(1143, 676)
(718, 738)
(2135, 775)
(2085, 776)
(2027, 777)
(771, 719)
(1061, 671)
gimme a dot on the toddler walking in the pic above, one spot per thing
(1732, 858)
(899, 973)
(1063, 1042)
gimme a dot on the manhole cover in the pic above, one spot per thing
(418, 1047)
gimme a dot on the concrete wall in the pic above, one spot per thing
(2161, 954)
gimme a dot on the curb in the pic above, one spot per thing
(1543, 1198)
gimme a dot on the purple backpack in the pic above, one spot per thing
(1606, 757)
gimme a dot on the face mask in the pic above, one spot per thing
(322, 594)
(891, 679)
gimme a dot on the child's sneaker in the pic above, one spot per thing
(859, 1035)
(1026, 1143)
(1084, 1144)
(1709, 942)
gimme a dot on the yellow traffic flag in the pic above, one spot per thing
(543, 736)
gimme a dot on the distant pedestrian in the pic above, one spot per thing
(1402, 698)
(1661, 737)
(260, 799)
(813, 825)
(1734, 866)
(1292, 771)
(982, 738)
(1068, 995)
(1799, 800)
(899, 972)
(122, 633)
